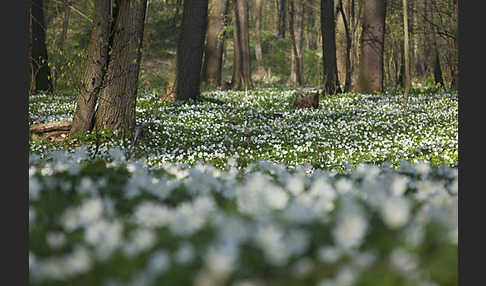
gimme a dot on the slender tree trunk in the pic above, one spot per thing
(331, 81)
(65, 25)
(406, 81)
(296, 35)
(213, 56)
(116, 106)
(96, 63)
(282, 18)
(372, 47)
(434, 55)
(40, 71)
(258, 39)
(347, 55)
(293, 50)
(241, 67)
(340, 41)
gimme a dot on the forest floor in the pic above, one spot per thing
(244, 189)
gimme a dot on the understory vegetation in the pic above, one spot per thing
(242, 189)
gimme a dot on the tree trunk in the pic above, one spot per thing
(372, 47)
(96, 63)
(40, 69)
(331, 81)
(116, 106)
(185, 84)
(296, 26)
(282, 17)
(213, 56)
(406, 74)
(258, 39)
(347, 55)
(241, 64)
(65, 25)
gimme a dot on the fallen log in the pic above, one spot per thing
(63, 125)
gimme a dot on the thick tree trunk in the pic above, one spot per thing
(372, 47)
(185, 83)
(213, 56)
(40, 69)
(241, 67)
(331, 81)
(116, 106)
(96, 63)
(258, 39)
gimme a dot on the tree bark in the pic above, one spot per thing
(331, 81)
(40, 69)
(406, 74)
(347, 54)
(241, 64)
(213, 56)
(372, 47)
(296, 29)
(258, 39)
(116, 106)
(282, 18)
(96, 63)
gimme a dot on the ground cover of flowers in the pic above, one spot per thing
(248, 191)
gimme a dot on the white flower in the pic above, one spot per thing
(295, 184)
(56, 239)
(395, 212)
(403, 261)
(343, 185)
(79, 261)
(329, 254)
(141, 240)
(399, 185)
(90, 211)
(350, 230)
(221, 260)
(185, 253)
(346, 276)
(275, 197)
(159, 262)
(105, 236)
(150, 214)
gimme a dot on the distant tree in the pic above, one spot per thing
(241, 78)
(331, 81)
(213, 56)
(118, 94)
(372, 47)
(41, 72)
(94, 71)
